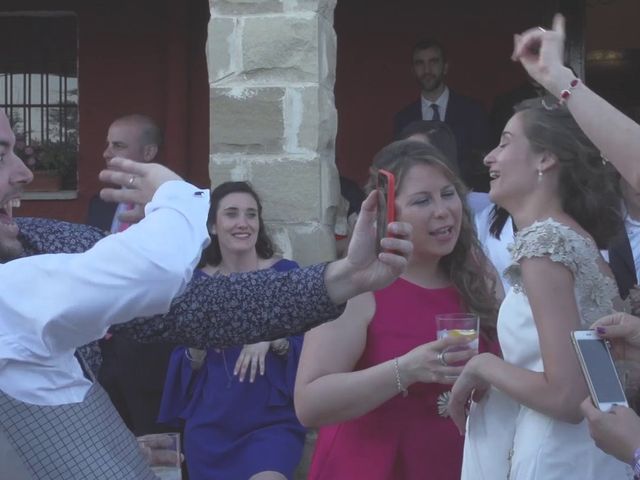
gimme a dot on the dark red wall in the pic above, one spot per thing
(135, 56)
(374, 78)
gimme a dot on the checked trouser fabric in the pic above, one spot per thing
(78, 441)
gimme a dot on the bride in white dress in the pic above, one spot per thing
(526, 424)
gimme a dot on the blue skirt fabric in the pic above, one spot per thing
(232, 429)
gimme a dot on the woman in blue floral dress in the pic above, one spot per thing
(237, 403)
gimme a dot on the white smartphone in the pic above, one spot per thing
(599, 370)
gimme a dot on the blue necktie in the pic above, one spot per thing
(436, 112)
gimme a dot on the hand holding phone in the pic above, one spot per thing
(599, 370)
(386, 190)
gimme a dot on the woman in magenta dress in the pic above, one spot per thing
(374, 378)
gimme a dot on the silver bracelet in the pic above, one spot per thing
(396, 369)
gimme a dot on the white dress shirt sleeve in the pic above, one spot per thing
(51, 304)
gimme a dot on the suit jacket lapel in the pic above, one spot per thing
(415, 112)
(451, 117)
(622, 264)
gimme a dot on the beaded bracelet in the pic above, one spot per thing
(564, 95)
(396, 369)
(636, 464)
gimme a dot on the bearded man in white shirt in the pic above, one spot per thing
(56, 424)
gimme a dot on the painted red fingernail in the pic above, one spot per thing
(601, 330)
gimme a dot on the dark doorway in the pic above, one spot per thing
(374, 78)
(613, 52)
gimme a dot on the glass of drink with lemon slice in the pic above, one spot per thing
(459, 325)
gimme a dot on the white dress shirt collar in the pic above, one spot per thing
(442, 101)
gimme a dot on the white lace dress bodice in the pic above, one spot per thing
(506, 440)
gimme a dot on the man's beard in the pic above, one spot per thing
(432, 84)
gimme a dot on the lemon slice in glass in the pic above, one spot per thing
(458, 332)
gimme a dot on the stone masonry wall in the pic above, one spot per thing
(273, 119)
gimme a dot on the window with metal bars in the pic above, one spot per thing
(39, 92)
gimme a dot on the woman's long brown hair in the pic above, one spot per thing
(466, 266)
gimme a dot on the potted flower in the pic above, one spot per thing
(53, 164)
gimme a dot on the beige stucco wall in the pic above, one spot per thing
(273, 118)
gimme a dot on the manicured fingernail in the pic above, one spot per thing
(601, 330)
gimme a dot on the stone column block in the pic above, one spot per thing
(329, 190)
(292, 190)
(318, 121)
(246, 7)
(273, 118)
(247, 120)
(280, 47)
(307, 244)
(222, 48)
(323, 8)
(297, 195)
(327, 53)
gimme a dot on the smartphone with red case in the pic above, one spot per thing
(386, 190)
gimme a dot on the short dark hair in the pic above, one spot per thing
(212, 254)
(438, 134)
(151, 133)
(429, 43)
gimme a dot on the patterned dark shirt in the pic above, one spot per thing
(214, 311)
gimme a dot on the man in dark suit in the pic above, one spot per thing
(624, 251)
(466, 116)
(622, 264)
(132, 373)
(135, 137)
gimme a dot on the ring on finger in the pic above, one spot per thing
(441, 359)
(542, 29)
(132, 179)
